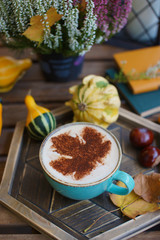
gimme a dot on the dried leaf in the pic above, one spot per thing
(148, 186)
(132, 205)
(36, 31)
(53, 16)
(157, 161)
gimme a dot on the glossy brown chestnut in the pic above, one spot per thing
(148, 156)
(141, 137)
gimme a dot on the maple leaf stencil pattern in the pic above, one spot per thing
(81, 154)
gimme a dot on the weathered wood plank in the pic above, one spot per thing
(103, 51)
(27, 53)
(2, 159)
(12, 113)
(96, 67)
(79, 216)
(49, 91)
(38, 195)
(23, 236)
(155, 235)
(100, 51)
(90, 67)
(5, 140)
(41, 91)
(10, 219)
(142, 236)
(2, 166)
(33, 74)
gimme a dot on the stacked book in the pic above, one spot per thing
(141, 69)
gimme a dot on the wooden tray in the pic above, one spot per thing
(25, 190)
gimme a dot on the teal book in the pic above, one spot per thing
(144, 104)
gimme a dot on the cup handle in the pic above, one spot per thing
(126, 179)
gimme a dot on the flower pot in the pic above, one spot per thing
(58, 68)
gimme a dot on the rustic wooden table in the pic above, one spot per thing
(50, 95)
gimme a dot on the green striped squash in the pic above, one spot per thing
(41, 126)
(40, 121)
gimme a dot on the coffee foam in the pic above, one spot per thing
(101, 171)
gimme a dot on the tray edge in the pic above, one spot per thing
(7, 199)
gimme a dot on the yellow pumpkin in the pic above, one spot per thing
(11, 70)
(95, 100)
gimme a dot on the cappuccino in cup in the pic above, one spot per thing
(80, 154)
(81, 161)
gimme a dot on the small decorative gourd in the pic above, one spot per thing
(40, 121)
(95, 100)
(11, 70)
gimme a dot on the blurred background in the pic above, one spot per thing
(143, 27)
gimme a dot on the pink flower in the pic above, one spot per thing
(111, 15)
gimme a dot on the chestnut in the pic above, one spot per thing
(149, 156)
(141, 137)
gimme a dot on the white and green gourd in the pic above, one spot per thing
(95, 100)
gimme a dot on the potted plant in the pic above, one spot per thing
(61, 31)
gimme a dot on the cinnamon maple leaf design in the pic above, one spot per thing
(80, 154)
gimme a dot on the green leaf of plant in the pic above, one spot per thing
(101, 84)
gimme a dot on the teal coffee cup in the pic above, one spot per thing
(81, 161)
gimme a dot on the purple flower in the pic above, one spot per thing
(111, 15)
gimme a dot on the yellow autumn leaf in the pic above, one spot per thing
(132, 205)
(35, 32)
(53, 16)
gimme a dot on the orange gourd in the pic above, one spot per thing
(12, 70)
